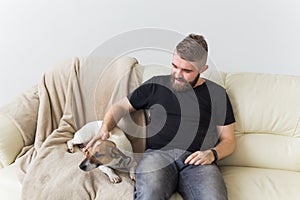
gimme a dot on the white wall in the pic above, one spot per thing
(257, 36)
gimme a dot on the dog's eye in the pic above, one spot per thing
(98, 155)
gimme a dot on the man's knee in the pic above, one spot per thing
(156, 176)
(202, 182)
(153, 186)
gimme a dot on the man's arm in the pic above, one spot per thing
(224, 148)
(115, 113)
(227, 142)
(111, 118)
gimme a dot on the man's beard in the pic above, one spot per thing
(185, 85)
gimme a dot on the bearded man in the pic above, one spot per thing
(191, 127)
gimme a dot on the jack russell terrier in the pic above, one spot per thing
(113, 153)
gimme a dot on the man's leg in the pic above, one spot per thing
(203, 182)
(156, 176)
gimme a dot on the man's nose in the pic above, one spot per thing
(178, 73)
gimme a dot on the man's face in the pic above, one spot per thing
(184, 75)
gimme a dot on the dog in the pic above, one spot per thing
(106, 155)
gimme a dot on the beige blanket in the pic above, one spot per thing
(71, 94)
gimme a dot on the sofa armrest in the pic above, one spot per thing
(11, 141)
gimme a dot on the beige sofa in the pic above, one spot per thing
(266, 163)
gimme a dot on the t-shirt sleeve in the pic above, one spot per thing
(140, 98)
(229, 119)
(223, 110)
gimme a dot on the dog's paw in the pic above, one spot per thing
(71, 150)
(115, 179)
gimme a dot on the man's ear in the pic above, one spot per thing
(203, 69)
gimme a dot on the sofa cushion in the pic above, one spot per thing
(265, 103)
(248, 183)
(11, 141)
(266, 151)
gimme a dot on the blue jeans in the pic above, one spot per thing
(161, 173)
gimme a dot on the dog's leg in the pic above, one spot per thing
(70, 146)
(75, 141)
(113, 177)
(132, 170)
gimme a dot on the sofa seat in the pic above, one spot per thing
(249, 183)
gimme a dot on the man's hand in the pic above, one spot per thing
(200, 158)
(102, 135)
(112, 116)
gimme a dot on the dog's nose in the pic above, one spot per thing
(83, 166)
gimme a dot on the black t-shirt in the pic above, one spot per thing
(185, 120)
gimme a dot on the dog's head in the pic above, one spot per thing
(104, 152)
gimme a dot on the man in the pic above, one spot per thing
(191, 128)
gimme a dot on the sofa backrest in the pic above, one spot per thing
(267, 112)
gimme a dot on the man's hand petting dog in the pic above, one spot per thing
(200, 158)
(102, 135)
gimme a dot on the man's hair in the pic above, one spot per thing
(193, 48)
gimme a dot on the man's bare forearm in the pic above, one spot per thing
(115, 113)
(227, 141)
